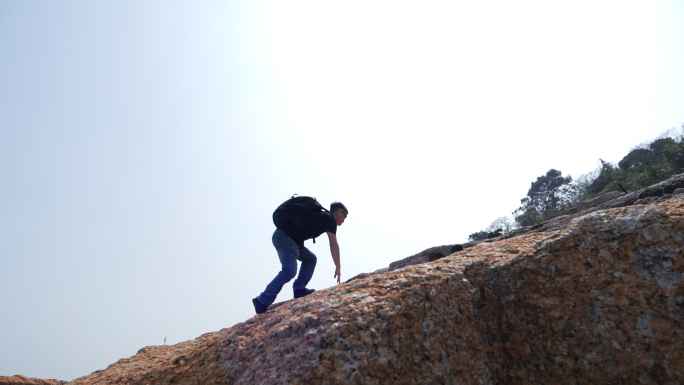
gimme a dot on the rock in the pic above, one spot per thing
(365, 275)
(598, 200)
(659, 192)
(429, 255)
(21, 380)
(190, 362)
(598, 300)
(656, 193)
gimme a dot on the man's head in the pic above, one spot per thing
(339, 212)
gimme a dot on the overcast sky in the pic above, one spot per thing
(145, 145)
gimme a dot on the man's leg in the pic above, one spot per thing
(287, 253)
(306, 270)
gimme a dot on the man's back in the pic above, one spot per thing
(313, 224)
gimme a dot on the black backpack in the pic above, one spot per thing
(293, 209)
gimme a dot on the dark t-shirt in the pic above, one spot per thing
(314, 224)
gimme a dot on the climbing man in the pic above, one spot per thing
(298, 219)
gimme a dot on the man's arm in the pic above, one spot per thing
(335, 251)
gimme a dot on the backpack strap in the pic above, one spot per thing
(327, 211)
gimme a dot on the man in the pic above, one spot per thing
(288, 241)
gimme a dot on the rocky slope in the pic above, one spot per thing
(590, 297)
(21, 380)
(659, 192)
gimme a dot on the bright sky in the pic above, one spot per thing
(145, 145)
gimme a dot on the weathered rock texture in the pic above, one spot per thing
(598, 300)
(659, 192)
(191, 362)
(21, 380)
(429, 255)
(598, 200)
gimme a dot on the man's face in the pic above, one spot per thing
(340, 216)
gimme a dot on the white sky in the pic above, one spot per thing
(144, 145)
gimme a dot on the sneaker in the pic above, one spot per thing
(303, 292)
(259, 307)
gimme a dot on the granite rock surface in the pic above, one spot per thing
(659, 192)
(599, 299)
(21, 380)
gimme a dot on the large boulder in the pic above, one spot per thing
(599, 300)
(22, 380)
(429, 255)
(598, 200)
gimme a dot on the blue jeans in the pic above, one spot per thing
(289, 253)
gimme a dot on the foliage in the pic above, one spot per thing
(604, 178)
(552, 193)
(576, 191)
(480, 236)
(506, 224)
(500, 226)
(547, 196)
(643, 166)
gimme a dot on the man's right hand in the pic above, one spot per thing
(335, 251)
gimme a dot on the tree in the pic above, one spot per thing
(544, 199)
(500, 226)
(506, 224)
(674, 155)
(607, 173)
(643, 166)
(478, 236)
(637, 159)
(576, 191)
